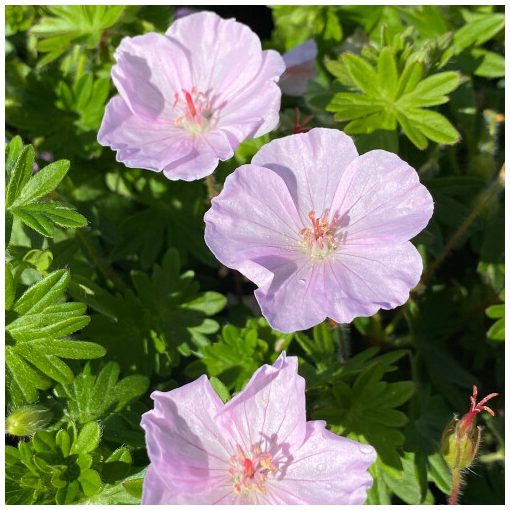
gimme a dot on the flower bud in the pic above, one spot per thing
(459, 444)
(27, 420)
(461, 438)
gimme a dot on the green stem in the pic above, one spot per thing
(490, 194)
(456, 481)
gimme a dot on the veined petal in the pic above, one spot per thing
(327, 469)
(290, 301)
(150, 69)
(141, 143)
(380, 198)
(311, 164)
(184, 418)
(255, 108)
(271, 407)
(253, 219)
(362, 279)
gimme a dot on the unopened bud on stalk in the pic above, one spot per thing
(461, 438)
(27, 420)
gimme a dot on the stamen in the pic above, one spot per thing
(249, 473)
(323, 237)
(194, 111)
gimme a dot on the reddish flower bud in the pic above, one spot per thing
(461, 438)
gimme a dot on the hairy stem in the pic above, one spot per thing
(456, 481)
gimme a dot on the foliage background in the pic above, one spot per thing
(111, 292)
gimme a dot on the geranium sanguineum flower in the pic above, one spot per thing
(300, 68)
(257, 448)
(322, 231)
(188, 98)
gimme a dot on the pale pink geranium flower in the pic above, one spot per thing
(188, 98)
(300, 68)
(322, 231)
(256, 449)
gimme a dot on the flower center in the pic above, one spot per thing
(249, 472)
(194, 111)
(322, 238)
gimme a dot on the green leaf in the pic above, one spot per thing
(90, 482)
(10, 287)
(24, 190)
(44, 292)
(91, 397)
(492, 65)
(19, 174)
(220, 389)
(43, 182)
(38, 330)
(480, 29)
(73, 24)
(88, 438)
(433, 125)
(362, 73)
(387, 74)
(431, 91)
(389, 97)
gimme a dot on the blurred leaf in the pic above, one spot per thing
(72, 24)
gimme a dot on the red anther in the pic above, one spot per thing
(189, 102)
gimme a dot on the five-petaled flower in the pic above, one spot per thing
(256, 449)
(188, 98)
(322, 231)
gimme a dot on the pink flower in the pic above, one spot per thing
(322, 231)
(256, 449)
(300, 63)
(188, 98)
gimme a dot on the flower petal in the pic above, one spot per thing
(220, 50)
(380, 198)
(362, 279)
(184, 419)
(150, 69)
(155, 491)
(272, 406)
(141, 143)
(255, 109)
(327, 469)
(251, 220)
(290, 301)
(311, 164)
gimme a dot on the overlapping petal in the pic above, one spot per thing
(381, 199)
(254, 223)
(264, 411)
(183, 418)
(311, 164)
